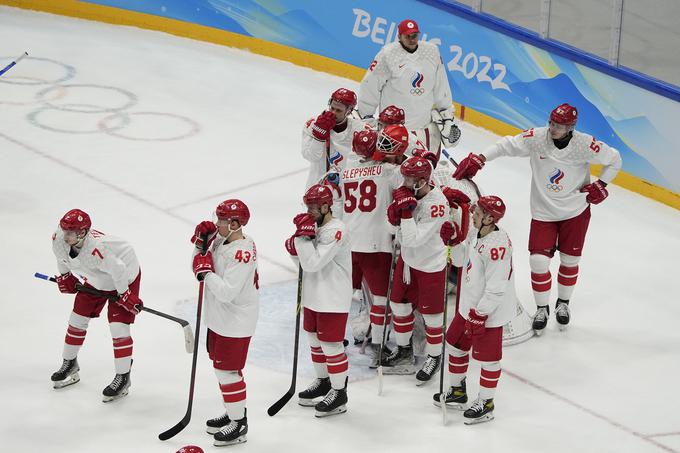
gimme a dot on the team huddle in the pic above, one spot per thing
(375, 219)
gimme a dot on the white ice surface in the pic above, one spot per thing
(607, 384)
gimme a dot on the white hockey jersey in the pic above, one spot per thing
(557, 175)
(340, 147)
(487, 280)
(421, 246)
(416, 82)
(230, 297)
(367, 189)
(327, 268)
(106, 262)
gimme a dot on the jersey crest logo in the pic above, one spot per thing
(468, 268)
(336, 158)
(416, 83)
(554, 180)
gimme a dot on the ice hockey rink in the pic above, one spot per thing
(148, 133)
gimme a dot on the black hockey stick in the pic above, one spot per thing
(165, 435)
(188, 333)
(277, 406)
(385, 323)
(455, 164)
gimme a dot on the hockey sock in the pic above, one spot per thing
(75, 335)
(336, 362)
(433, 334)
(488, 379)
(541, 280)
(377, 318)
(233, 388)
(403, 322)
(458, 365)
(318, 357)
(122, 346)
(568, 274)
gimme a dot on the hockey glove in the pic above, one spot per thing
(468, 167)
(432, 157)
(455, 197)
(202, 265)
(290, 246)
(475, 325)
(393, 214)
(321, 128)
(597, 191)
(204, 229)
(305, 226)
(451, 233)
(405, 202)
(130, 301)
(450, 133)
(67, 283)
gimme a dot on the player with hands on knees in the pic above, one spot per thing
(229, 272)
(108, 264)
(561, 195)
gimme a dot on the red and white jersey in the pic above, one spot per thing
(488, 280)
(367, 189)
(315, 151)
(326, 263)
(415, 82)
(557, 175)
(231, 299)
(106, 262)
(421, 246)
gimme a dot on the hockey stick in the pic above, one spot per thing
(165, 435)
(13, 63)
(385, 323)
(474, 185)
(277, 406)
(188, 333)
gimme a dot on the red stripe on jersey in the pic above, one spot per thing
(433, 335)
(541, 282)
(235, 392)
(489, 379)
(567, 276)
(378, 315)
(458, 365)
(74, 336)
(404, 324)
(122, 347)
(318, 355)
(337, 363)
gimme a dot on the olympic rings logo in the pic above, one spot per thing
(417, 91)
(82, 108)
(554, 187)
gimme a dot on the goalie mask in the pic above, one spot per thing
(392, 141)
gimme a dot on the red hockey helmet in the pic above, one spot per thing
(75, 220)
(317, 195)
(393, 140)
(233, 210)
(407, 27)
(190, 449)
(364, 142)
(417, 167)
(564, 114)
(344, 96)
(493, 206)
(392, 115)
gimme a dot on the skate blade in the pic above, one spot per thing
(482, 419)
(456, 406)
(339, 410)
(72, 379)
(538, 332)
(212, 431)
(238, 440)
(399, 370)
(305, 402)
(108, 399)
(562, 327)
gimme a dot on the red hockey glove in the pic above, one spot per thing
(432, 157)
(204, 229)
(67, 283)
(475, 324)
(202, 265)
(455, 197)
(321, 128)
(451, 233)
(305, 226)
(405, 202)
(130, 301)
(596, 191)
(393, 214)
(290, 246)
(468, 167)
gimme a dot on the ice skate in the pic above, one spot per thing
(67, 374)
(400, 362)
(540, 319)
(319, 388)
(118, 388)
(213, 425)
(456, 397)
(335, 402)
(233, 433)
(430, 367)
(375, 348)
(562, 313)
(480, 411)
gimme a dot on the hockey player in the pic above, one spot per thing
(487, 302)
(327, 139)
(410, 74)
(561, 195)
(322, 246)
(229, 270)
(420, 209)
(368, 183)
(106, 263)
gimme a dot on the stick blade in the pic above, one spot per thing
(189, 339)
(277, 406)
(172, 432)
